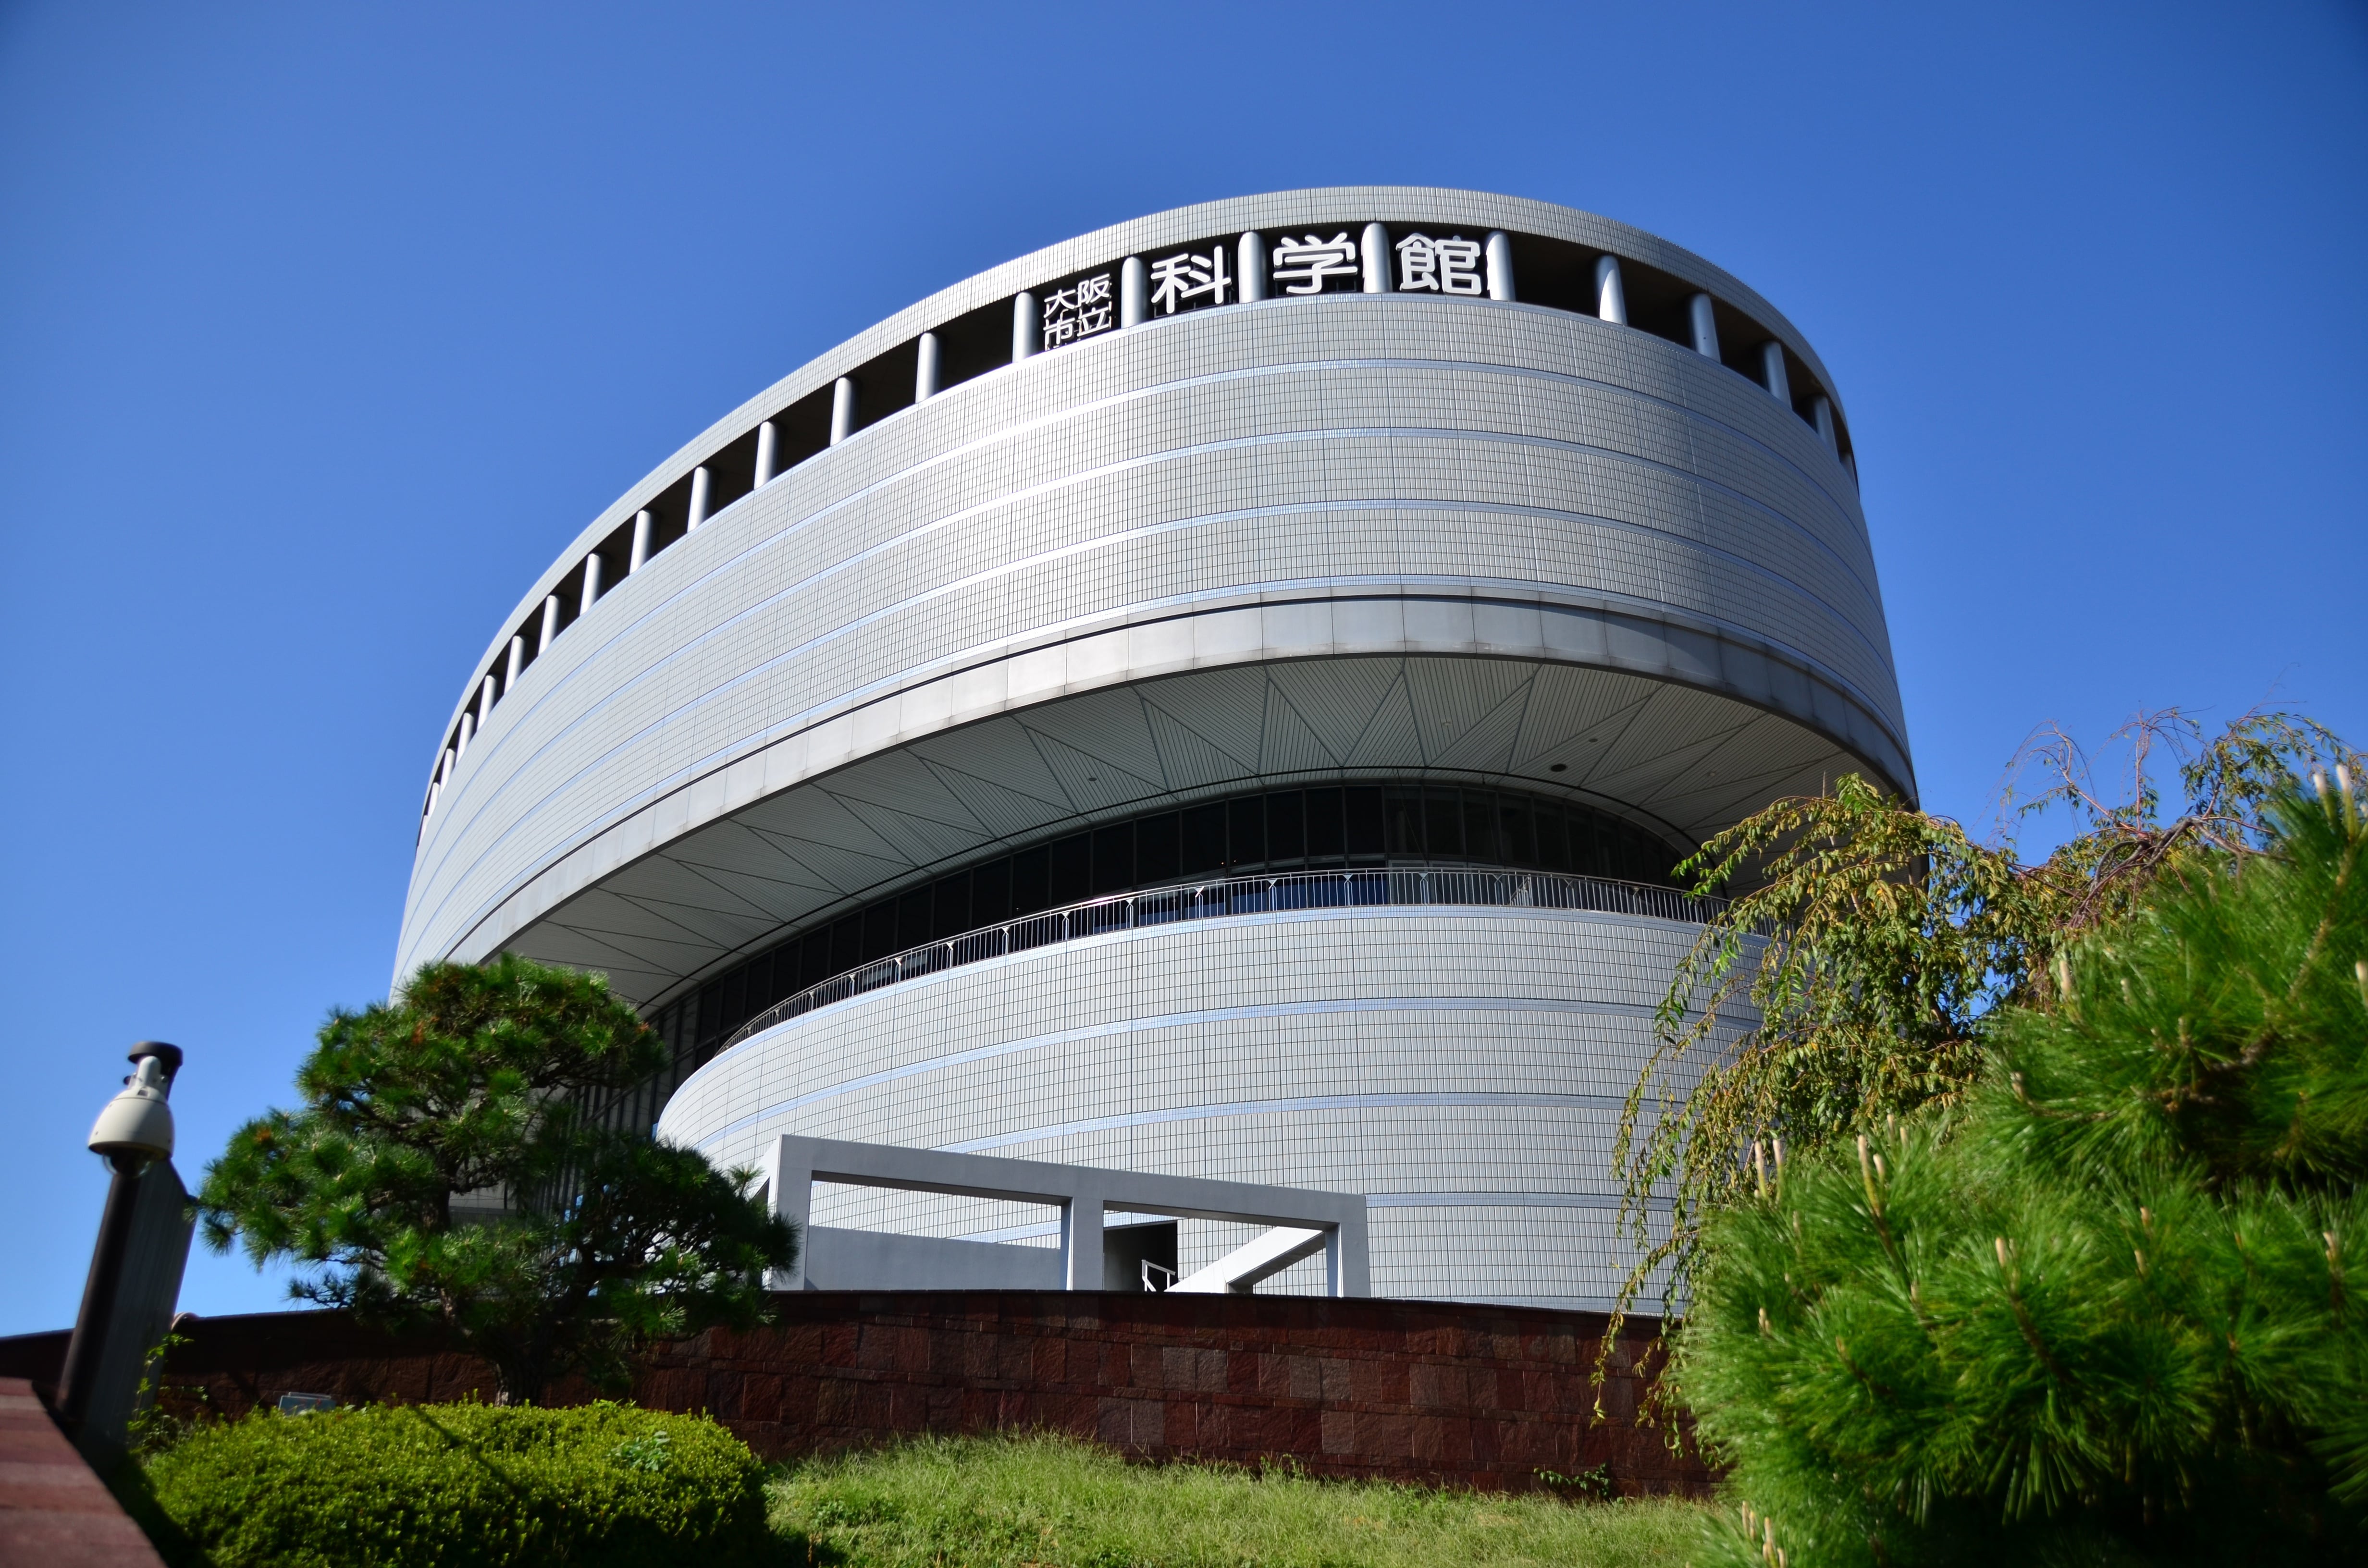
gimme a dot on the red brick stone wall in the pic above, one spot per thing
(1469, 1395)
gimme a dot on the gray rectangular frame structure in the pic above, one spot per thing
(1083, 1193)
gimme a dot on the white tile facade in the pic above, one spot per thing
(1463, 1068)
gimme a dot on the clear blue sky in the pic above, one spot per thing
(322, 327)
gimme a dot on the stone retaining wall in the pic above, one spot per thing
(1480, 1396)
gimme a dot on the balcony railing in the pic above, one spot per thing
(1242, 895)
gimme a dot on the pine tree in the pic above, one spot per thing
(2111, 1305)
(584, 1242)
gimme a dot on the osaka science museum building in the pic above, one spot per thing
(1220, 696)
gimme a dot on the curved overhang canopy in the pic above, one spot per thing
(1685, 728)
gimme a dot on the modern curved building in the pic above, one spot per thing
(1219, 696)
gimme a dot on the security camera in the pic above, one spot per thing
(136, 1129)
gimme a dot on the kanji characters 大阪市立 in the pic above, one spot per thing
(1079, 311)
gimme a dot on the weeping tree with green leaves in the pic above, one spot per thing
(2110, 1302)
(2017, 1219)
(442, 1174)
(1873, 943)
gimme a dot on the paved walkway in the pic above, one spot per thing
(53, 1512)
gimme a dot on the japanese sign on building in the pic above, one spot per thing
(1195, 278)
(1083, 307)
(1206, 272)
(1444, 266)
(1311, 264)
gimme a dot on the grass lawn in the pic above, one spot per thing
(1047, 1502)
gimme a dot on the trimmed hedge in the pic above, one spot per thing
(461, 1486)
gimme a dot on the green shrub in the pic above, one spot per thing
(1043, 1500)
(462, 1484)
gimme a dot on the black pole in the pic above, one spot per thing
(98, 1292)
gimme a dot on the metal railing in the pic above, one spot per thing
(1242, 895)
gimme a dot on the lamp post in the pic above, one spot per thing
(133, 1132)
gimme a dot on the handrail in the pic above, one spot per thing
(1242, 895)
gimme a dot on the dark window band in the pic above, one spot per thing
(1278, 830)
